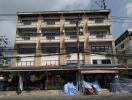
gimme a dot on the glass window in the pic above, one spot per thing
(106, 61)
(26, 50)
(94, 61)
(122, 46)
(51, 50)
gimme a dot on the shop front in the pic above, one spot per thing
(103, 76)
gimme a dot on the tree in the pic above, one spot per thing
(3, 46)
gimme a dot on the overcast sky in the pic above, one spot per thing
(121, 8)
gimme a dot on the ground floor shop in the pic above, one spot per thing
(36, 80)
(50, 80)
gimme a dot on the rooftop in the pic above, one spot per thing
(65, 12)
(126, 34)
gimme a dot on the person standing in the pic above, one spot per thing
(20, 84)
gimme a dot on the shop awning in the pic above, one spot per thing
(103, 71)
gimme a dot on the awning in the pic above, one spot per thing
(101, 71)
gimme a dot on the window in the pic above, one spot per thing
(98, 34)
(26, 50)
(73, 36)
(100, 61)
(106, 61)
(51, 50)
(28, 34)
(26, 37)
(50, 37)
(122, 46)
(94, 61)
(74, 49)
(97, 19)
(99, 48)
(50, 22)
(71, 49)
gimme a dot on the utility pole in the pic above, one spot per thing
(78, 58)
(101, 4)
(78, 53)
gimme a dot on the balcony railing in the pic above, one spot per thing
(25, 39)
(27, 24)
(75, 61)
(51, 24)
(99, 22)
(73, 23)
(51, 63)
(74, 38)
(25, 64)
(50, 39)
(101, 38)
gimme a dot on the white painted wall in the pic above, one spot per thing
(100, 57)
(50, 60)
(73, 57)
(130, 44)
(27, 61)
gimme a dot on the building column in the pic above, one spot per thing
(62, 42)
(114, 58)
(87, 58)
(14, 59)
(38, 45)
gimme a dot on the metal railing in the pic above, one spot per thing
(50, 38)
(105, 37)
(75, 61)
(25, 63)
(71, 37)
(50, 63)
(21, 38)
(98, 21)
(27, 24)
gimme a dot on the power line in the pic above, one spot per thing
(12, 49)
(116, 17)
(54, 54)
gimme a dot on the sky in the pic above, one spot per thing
(119, 8)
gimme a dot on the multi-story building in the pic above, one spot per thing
(124, 47)
(58, 39)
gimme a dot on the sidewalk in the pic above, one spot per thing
(42, 93)
(35, 92)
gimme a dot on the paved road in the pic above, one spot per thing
(42, 97)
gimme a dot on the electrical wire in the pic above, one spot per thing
(54, 54)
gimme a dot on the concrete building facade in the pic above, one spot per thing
(124, 47)
(54, 38)
(55, 47)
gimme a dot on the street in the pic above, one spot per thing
(63, 97)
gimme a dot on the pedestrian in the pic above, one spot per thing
(20, 87)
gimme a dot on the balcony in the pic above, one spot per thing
(75, 61)
(25, 39)
(100, 38)
(50, 63)
(73, 23)
(50, 24)
(99, 23)
(25, 60)
(70, 24)
(50, 39)
(27, 25)
(25, 64)
(73, 38)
